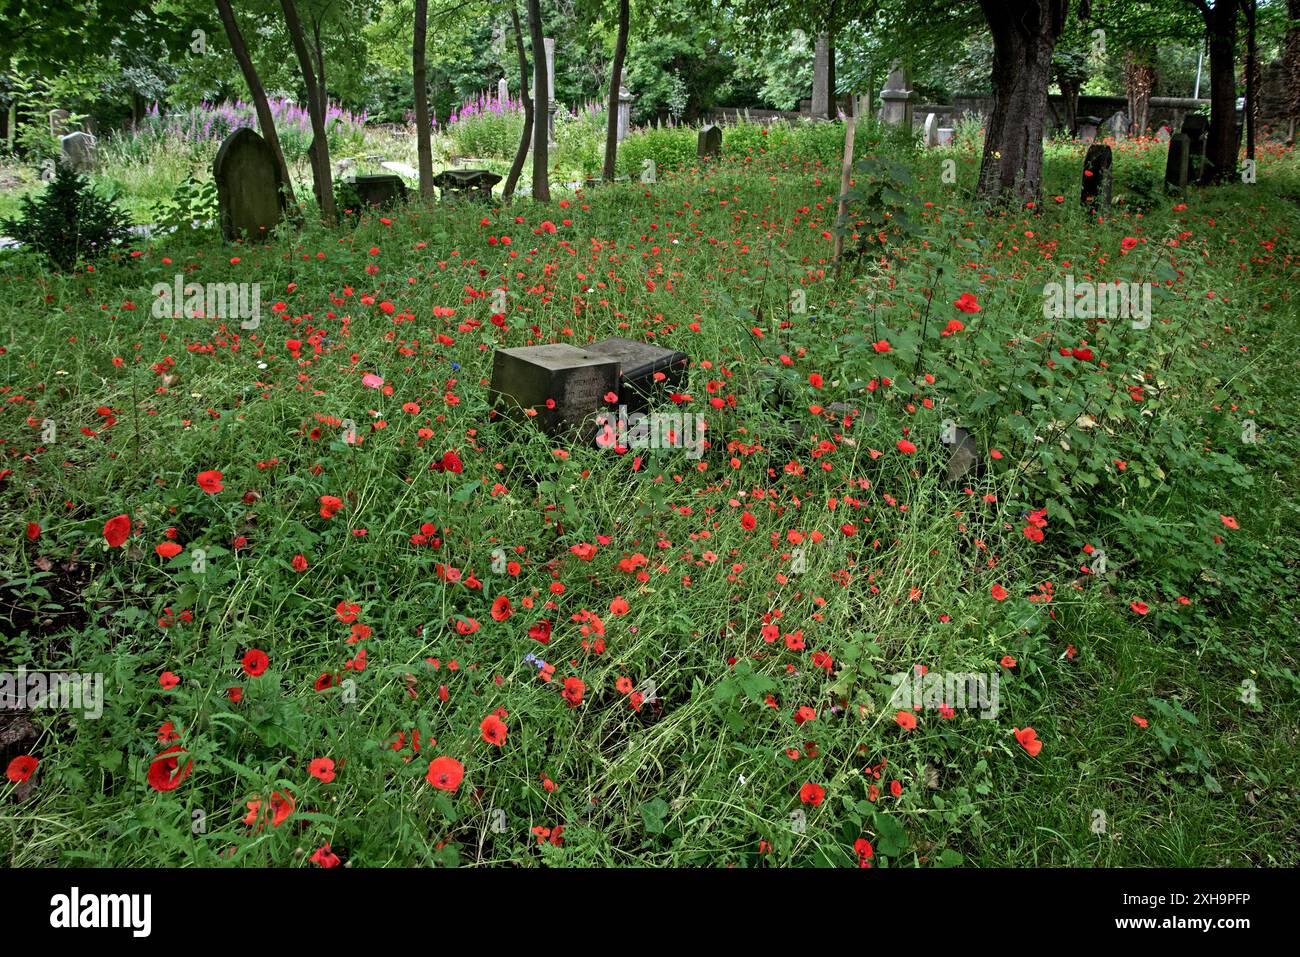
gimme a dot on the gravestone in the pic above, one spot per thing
(931, 131)
(379, 190)
(820, 105)
(896, 98)
(624, 113)
(648, 373)
(709, 144)
(59, 122)
(1162, 135)
(944, 135)
(503, 92)
(1178, 163)
(78, 150)
(1088, 126)
(1195, 128)
(249, 197)
(472, 184)
(1117, 125)
(575, 380)
(1097, 178)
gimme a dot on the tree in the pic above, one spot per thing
(1221, 140)
(1291, 61)
(541, 130)
(615, 85)
(260, 103)
(419, 73)
(320, 147)
(1024, 36)
(521, 153)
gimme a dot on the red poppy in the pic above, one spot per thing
(541, 632)
(906, 447)
(445, 773)
(255, 662)
(1028, 739)
(494, 730)
(618, 606)
(906, 720)
(210, 481)
(117, 530)
(168, 680)
(573, 691)
(299, 563)
(322, 769)
(168, 549)
(163, 774)
(325, 857)
(501, 608)
(812, 794)
(21, 768)
(966, 303)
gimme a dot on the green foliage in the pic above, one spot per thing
(69, 221)
(192, 204)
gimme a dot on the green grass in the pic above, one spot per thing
(704, 779)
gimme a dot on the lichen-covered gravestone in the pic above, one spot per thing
(709, 144)
(1097, 178)
(78, 150)
(931, 131)
(1177, 164)
(249, 197)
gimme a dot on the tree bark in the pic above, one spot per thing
(320, 147)
(541, 154)
(517, 167)
(1221, 139)
(265, 120)
(1252, 79)
(420, 76)
(1024, 35)
(1139, 81)
(615, 85)
(1291, 64)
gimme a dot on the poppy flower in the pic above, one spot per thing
(325, 857)
(445, 773)
(117, 530)
(618, 606)
(168, 680)
(1127, 243)
(21, 768)
(966, 302)
(1008, 661)
(494, 730)
(906, 720)
(168, 549)
(210, 481)
(573, 691)
(1139, 607)
(1028, 739)
(501, 608)
(281, 807)
(163, 774)
(624, 685)
(998, 592)
(906, 447)
(812, 794)
(255, 662)
(541, 632)
(1140, 721)
(1229, 521)
(33, 531)
(299, 564)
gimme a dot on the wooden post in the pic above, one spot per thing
(846, 176)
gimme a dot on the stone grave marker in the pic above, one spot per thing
(1177, 165)
(1088, 126)
(1117, 125)
(931, 131)
(503, 91)
(380, 189)
(576, 379)
(1195, 128)
(473, 184)
(78, 150)
(648, 373)
(944, 135)
(709, 144)
(1097, 178)
(249, 197)
(896, 98)
(624, 113)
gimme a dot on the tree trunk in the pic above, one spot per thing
(1024, 35)
(1221, 140)
(320, 147)
(260, 103)
(420, 76)
(846, 178)
(1291, 62)
(1252, 79)
(615, 85)
(541, 155)
(517, 167)
(1139, 81)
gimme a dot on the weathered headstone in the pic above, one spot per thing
(821, 91)
(944, 135)
(931, 131)
(574, 381)
(624, 113)
(1097, 178)
(1088, 126)
(896, 98)
(1195, 128)
(474, 184)
(380, 190)
(59, 125)
(548, 44)
(503, 92)
(1177, 165)
(1117, 125)
(249, 197)
(648, 373)
(78, 150)
(708, 146)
